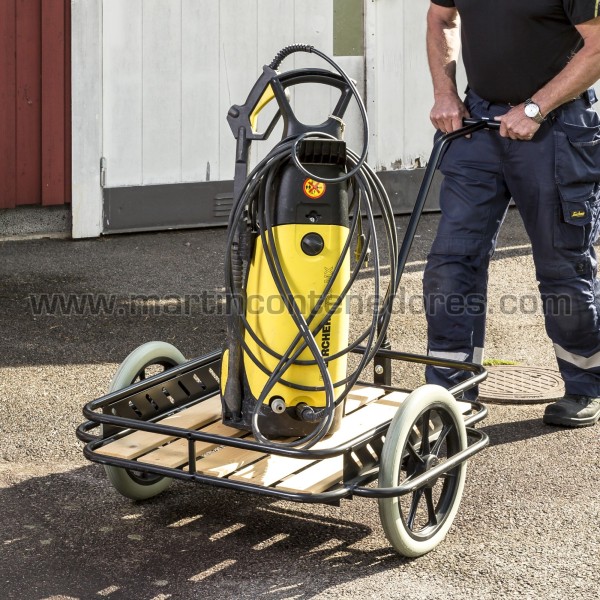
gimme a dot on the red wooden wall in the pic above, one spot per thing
(35, 102)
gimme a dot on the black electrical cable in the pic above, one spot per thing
(254, 204)
(321, 300)
(357, 342)
(276, 377)
(342, 295)
(371, 329)
(275, 374)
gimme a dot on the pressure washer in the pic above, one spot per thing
(295, 219)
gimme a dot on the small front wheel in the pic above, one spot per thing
(427, 430)
(146, 360)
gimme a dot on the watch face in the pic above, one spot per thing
(532, 110)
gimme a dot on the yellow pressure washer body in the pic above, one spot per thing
(290, 231)
(310, 229)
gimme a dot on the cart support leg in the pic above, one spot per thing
(192, 456)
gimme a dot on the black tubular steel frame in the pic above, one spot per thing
(139, 406)
(109, 412)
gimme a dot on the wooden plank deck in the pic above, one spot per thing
(141, 442)
(366, 408)
(272, 469)
(176, 454)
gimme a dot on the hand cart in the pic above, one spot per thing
(158, 426)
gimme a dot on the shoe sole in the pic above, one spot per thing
(565, 422)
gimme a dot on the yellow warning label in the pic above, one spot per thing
(314, 189)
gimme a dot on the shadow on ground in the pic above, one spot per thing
(81, 539)
(518, 431)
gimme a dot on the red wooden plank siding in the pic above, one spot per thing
(35, 102)
(7, 103)
(28, 102)
(53, 102)
(68, 168)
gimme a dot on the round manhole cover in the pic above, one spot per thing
(521, 385)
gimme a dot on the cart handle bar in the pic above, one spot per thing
(470, 126)
(488, 123)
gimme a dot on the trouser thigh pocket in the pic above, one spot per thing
(577, 224)
(577, 139)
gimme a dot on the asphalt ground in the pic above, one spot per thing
(528, 525)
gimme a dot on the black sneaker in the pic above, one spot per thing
(573, 411)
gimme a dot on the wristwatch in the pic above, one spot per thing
(532, 110)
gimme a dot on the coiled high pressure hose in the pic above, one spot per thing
(255, 205)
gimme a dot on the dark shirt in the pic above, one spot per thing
(512, 48)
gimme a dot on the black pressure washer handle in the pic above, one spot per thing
(240, 117)
(383, 371)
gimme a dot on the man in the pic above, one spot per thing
(529, 65)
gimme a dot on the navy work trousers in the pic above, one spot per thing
(554, 180)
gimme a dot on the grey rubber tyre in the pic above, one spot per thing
(149, 356)
(416, 523)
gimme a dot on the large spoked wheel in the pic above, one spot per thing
(147, 360)
(427, 430)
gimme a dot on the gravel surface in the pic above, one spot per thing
(528, 526)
